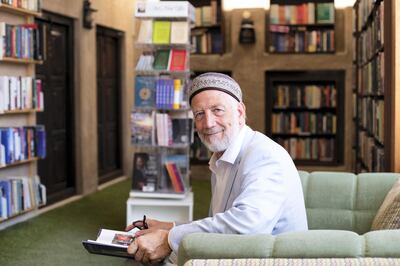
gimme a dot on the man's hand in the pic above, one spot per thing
(152, 224)
(150, 247)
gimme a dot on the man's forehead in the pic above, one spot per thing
(210, 98)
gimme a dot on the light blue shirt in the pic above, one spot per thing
(262, 194)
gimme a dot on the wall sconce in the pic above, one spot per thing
(247, 33)
(87, 19)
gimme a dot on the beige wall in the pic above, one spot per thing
(117, 15)
(248, 64)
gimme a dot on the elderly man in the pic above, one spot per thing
(255, 185)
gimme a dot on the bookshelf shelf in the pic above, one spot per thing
(23, 111)
(18, 11)
(20, 61)
(17, 163)
(305, 26)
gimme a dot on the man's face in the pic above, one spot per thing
(218, 118)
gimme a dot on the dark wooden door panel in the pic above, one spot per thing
(108, 103)
(57, 170)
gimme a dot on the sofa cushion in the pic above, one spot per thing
(382, 243)
(329, 199)
(388, 215)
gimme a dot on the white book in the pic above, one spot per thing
(2, 39)
(179, 32)
(145, 31)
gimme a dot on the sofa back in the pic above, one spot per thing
(345, 201)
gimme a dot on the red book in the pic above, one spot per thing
(178, 60)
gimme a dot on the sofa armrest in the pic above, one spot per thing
(307, 244)
(215, 246)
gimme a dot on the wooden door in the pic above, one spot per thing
(57, 170)
(109, 103)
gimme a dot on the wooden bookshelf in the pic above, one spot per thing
(376, 120)
(18, 11)
(305, 115)
(207, 36)
(305, 26)
(20, 110)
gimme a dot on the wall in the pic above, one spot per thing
(248, 64)
(117, 15)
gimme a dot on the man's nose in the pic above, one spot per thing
(209, 120)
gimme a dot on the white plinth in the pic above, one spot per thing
(160, 209)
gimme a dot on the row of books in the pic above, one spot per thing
(365, 8)
(163, 59)
(372, 116)
(154, 172)
(20, 93)
(372, 39)
(309, 148)
(307, 96)
(305, 13)
(161, 129)
(283, 39)
(160, 92)
(21, 41)
(373, 156)
(32, 5)
(207, 40)
(303, 123)
(21, 143)
(207, 15)
(163, 32)
(371, 76)
(19, 194)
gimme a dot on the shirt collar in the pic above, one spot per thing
(232, 152)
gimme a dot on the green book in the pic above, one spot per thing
(325, 13)
(161, 60)
(161, 32)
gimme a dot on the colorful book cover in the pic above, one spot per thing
(178, 60)
(142, 128)
(145, 92)
(161, 32)
(325, 13)
(145, 171)
(161, 60)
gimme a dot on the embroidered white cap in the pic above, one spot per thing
(215, 81)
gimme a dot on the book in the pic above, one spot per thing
(325, 13)
(146, 31)
(111, 243)
(161, 60)
(145, 92)
(178, 60)
(142, 127)
(145, 171)
(179, 32)
(161, 32)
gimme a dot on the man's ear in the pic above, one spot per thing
(242, 113)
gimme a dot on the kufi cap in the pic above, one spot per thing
(215, 81)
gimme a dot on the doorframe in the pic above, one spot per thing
(119, 35)
(50, 17)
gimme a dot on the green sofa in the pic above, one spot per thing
(340, 210)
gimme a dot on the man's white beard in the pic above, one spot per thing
(220, 145)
